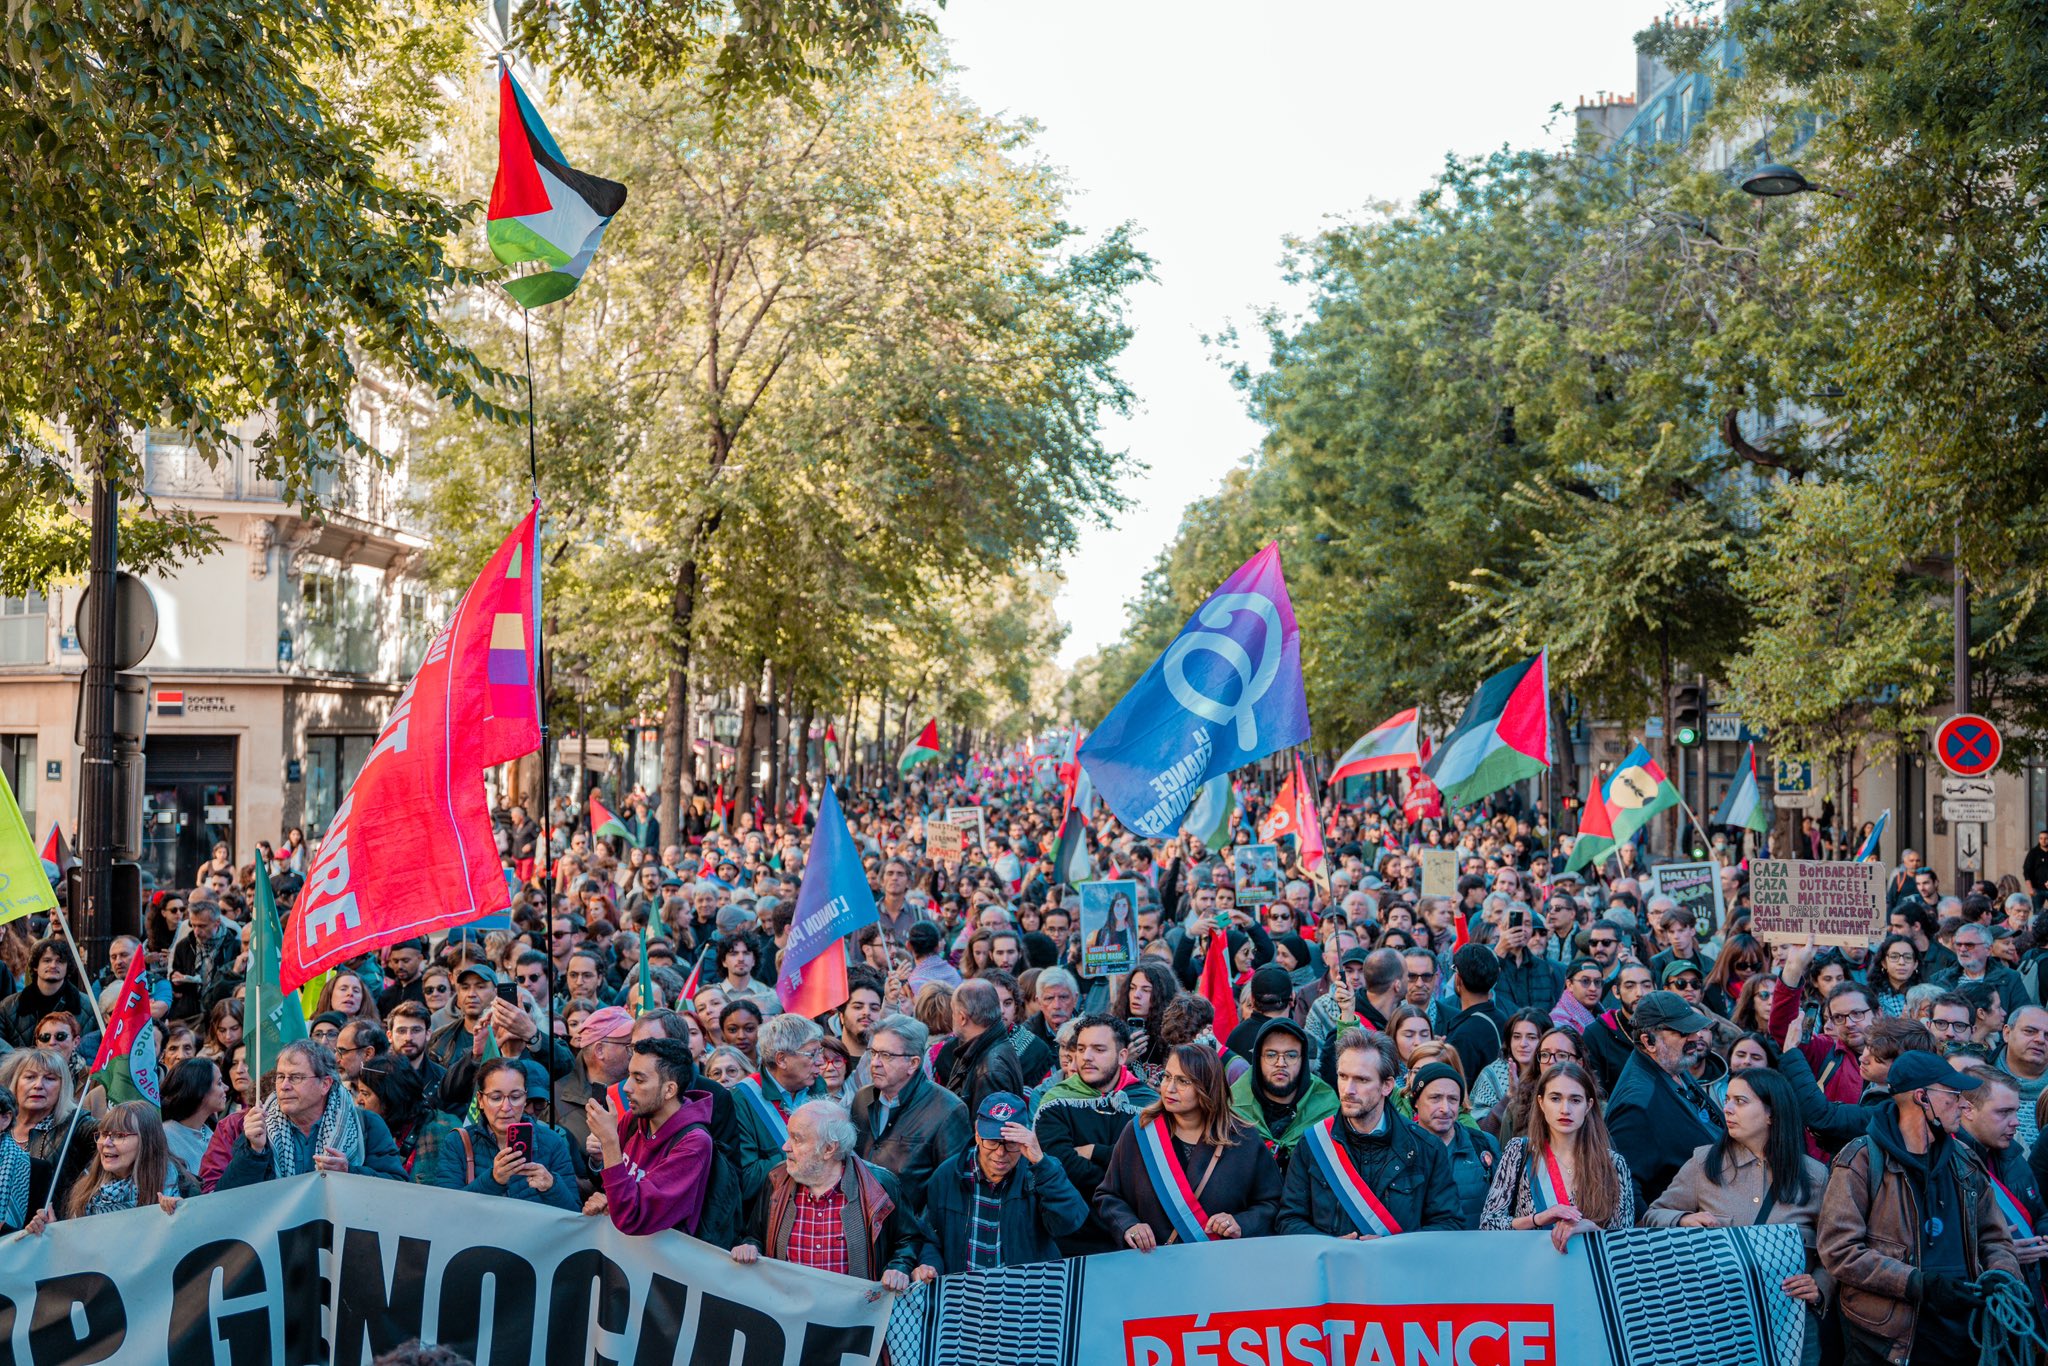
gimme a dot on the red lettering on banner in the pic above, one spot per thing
(1350, 1335)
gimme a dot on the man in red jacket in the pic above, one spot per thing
(1846, 1016)
(656, 1166)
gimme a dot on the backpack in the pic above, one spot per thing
(719, 1222)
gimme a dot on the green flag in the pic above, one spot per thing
(24, 886)
(275, 1016)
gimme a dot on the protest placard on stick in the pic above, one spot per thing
(1836, 903)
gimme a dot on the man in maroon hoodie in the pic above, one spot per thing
(656, 1166)
(1837, 1055)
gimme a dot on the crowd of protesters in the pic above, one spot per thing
(1540, 1050)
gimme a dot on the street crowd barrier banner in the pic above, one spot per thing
(1649, 1297)
(336, 1269)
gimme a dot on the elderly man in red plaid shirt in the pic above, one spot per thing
(828, 1209)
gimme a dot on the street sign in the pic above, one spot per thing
(1968, 746)
(1967, 789)
(1966, 810)
(1970, 848)
(1793, 776)
(1724, 726)
(135, 621)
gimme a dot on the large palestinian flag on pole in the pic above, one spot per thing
(1503, 737)
(1391, 746)
(543, 209)
(924, 748)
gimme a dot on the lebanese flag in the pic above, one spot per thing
(57, 852)
(1392, 745)
(411, 849)
(1215, 985)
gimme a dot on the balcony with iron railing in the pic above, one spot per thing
(174, 469)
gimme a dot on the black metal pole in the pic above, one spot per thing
(540, 676)
(96, 789)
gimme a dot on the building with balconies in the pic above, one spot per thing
(276, 660)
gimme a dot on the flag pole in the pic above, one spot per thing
(540, 684)
(92, 998)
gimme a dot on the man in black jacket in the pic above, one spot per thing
(1081, 1115)
(1479, 1031)
(1528, 981)
(1658, 1114)
(1406, 1168)
(1607, 1038)
(907, 1124)
(1024, 1203)
(978, 1060)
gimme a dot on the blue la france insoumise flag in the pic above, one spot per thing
(1227, 691)
(832, 903)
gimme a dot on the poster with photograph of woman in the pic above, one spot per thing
(1258, 873)
(1109, 926)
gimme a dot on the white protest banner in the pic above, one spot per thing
(340, 1269)
(1695, 886)
(1439, 871)
(1647, 1297)
(1835, 902)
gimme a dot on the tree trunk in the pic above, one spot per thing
(1665, 745)
(802, 767)
(849, 743)
(743, 765)
(773, 799)
(1564, 774)
(881, 734)
(675, 725)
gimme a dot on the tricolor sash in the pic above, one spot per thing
(1170, 1182)
(750, 1094)
(1546, 1183)
(2008, 1204)
(1342, 1177)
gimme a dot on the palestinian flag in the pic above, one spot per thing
(542, 209)
(1208, 819)
(1070, 861)
(1391, 746)
(603, 822)
(272, 1016)
(925, 747)
(1595, 839)
(831, 749)
(1744, 805)
(57, 853)
(1636, 792)
(1503, 737)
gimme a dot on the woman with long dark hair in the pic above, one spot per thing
(1498, 1078)
(1187, 1169)
(1140, 1001)
(1742, 957)
(1563, 1173)
(1757, 1173)
(1895, 969)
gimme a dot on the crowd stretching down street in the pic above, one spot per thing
(1539, 1051)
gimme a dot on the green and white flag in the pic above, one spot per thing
(274, 1014)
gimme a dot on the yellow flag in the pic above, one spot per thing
(24, 886)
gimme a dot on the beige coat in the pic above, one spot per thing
(1740, 1200)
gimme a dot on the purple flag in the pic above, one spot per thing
(1226, 692)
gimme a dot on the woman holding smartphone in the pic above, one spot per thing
(503, 1152)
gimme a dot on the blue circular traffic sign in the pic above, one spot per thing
(1968, 745)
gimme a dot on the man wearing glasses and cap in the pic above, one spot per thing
(1658, 1113)
(1910, 1227)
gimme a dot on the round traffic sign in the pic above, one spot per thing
(135, 621)
(1968, 745)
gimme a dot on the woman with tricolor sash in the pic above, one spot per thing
(1757, 1173)
(1187, 1169)
(1563, 1174)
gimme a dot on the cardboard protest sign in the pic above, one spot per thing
(1837, 903)
(943, 839)
(1258, 873)
(1109, 926)
(1439, 872)
(1695, 886)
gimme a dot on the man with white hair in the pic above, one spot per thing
(825, 1208)
(908, 1124)
(790, 1048)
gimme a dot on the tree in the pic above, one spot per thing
(200, 225)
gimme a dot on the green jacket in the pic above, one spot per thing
(1318, 1103)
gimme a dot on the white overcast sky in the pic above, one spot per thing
(1220, 129)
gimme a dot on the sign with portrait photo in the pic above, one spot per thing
(1258, 873)
(973, 820)
(1109, 926)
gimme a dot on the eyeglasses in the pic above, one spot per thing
(436, 989)
(1604, 943)
(295, 1078)
(504, 1097)
(1948, 1026)
(1556, 1055)
(885, 1053)
(59, 1036)
(1694, 983)
(1844, 1016)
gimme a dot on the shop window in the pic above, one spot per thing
(18, 765)
(332, 763)
(24, 630)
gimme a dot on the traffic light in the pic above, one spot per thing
(1689, 716)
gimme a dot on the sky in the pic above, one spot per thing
(1218, 139)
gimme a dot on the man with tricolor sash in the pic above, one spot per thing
(1366, 1172)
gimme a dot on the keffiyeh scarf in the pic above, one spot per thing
(13, 1183)
(340, 1127)
(112, 1197)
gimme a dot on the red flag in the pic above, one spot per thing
(689, 992)
(411, 849)
(1308, 822)
(56, 851)
(1215, 984)
(1424, 801)
(125, 1026)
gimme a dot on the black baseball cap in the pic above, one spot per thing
(1667, 1010)
(1914, 1069)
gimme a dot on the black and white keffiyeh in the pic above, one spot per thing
(340, 1128)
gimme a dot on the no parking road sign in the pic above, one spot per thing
(1967, 745)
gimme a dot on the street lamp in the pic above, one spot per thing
(1772, 180)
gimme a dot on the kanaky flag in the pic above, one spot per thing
(1636, 791)
(833, 902)
(1215, 983)
(542, 209)
(411, 848)
(126, 1062)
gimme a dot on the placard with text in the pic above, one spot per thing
(1835, 902)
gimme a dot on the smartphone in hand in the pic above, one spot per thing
(519, 1138)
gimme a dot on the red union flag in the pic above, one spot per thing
(411, 847)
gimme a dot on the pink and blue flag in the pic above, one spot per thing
(833, 902)
(1226, 692)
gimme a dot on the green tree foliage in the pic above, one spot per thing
(838, 371)
(202, 220)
